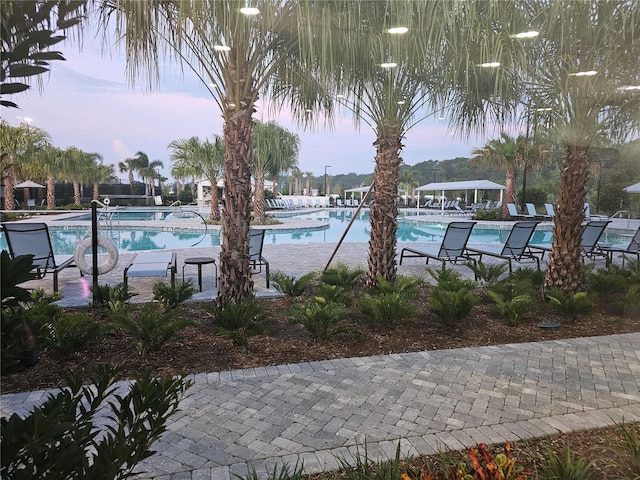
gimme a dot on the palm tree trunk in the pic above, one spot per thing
(565, 263)
(509, 196)
(51, 193)
(76, 192)
(258, 197)
(96, 190)
(384, 210)
(214, 212)
(132, 190)
(235, 276)
(9, 199)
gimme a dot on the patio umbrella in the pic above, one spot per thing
(635, 188)
(29, 184)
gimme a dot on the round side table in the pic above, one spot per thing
(200, 261)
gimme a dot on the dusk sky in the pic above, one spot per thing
(87, 103)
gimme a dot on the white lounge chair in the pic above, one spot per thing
(152, 264)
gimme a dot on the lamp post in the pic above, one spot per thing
(326, 194)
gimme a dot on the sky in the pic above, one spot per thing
(86, 102)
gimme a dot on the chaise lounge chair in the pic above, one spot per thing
(453, 248)
(531, 210)
(516, 248)
(551, 212)
(256, 260)
(33, 239)
(589, 242)
(513, 213)
(152, 264)
(633, 248)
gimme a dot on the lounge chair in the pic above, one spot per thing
(588, 216)
(589, 242)
(516, 248)
(33, 239)
(631, 249)
(551, 212)
(152, 264)
(513, 213)
(256, 260)
(531, 210)
(453, 248)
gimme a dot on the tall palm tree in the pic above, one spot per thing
(275, 150)
(18, 147)
(48, 162)
(191, 157)
(241, 55)
(308, 175)
(505, 153)
(101, 173)
(129, 166)
(390, 82)
(581, 69)
(147, 170)
(77, 168)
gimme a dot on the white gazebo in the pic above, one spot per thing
(465, 186)
(635, 188)
(363, 190)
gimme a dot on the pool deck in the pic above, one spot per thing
(234, 422)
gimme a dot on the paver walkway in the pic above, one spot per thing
(234, 422)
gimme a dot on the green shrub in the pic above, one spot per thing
(342, 275)
(607, 281)
(631, 301)
(152, 326)
(449, 279)
(389, 303)
(70, 332)
(172, 297)
(238, 321)
(365, 468)
(321, 318)
(65, 437)
(451, 306)
(113, 297)
(335, 293)
(532, 276)
(630, 445)
(487, 275)
(566, 466)
(569, 304)
(512, 308)
(487, 215)
(290, 285)
(282, 472)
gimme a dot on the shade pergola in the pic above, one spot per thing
(467, 185)
(363, 190)
(635, 188)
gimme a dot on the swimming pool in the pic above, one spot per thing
(332, 226)
(131, 215)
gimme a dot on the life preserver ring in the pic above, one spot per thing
(106, 263)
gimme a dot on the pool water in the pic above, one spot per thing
(333, 226)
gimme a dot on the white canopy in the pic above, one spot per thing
(29, 184)
(635, 188)
(474, 185)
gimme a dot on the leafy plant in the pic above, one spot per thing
(66, 436)
(449, 279)
(113, 297)
(531, 276)
(630, 444)
(569, 304)
(342, 275)
(152, 326)
(631, 301)
(334, 293)
(390, 302)
(172, 297)
(290, 285)
(611, 280)
(281, 472)
(321, 318)
(70, 332)
(487, 275)
(451, 306)
(238, 321)
(566, 466)
(511, 309)
(365, 468)
(14, 272)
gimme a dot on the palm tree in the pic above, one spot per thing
(101, 173)
(581, 69)
(275, 150)
(241, 56)
(506, 153)
(77, 167)
(48, 162)
(147, 170)
(308, 175)
(129, 166)
(18, 147)
(191, 157)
